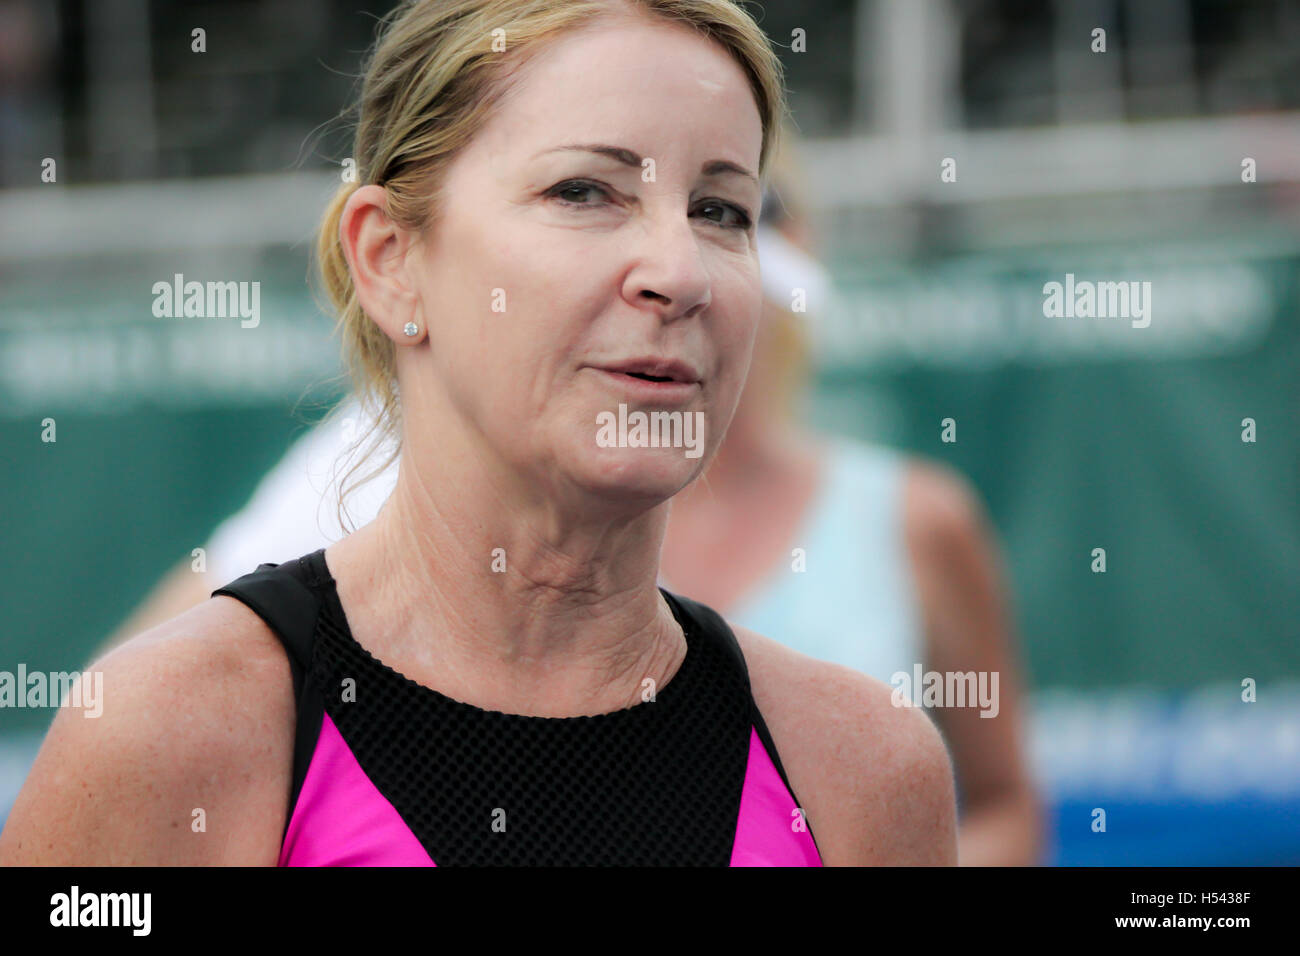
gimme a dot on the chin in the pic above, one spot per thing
(654, 474)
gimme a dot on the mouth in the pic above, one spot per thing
(647, 387)
(663, 371)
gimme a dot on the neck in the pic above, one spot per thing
(497, 596)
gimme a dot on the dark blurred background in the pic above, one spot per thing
(1079, 433)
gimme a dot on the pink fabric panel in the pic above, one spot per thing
(765, 835)
(341, 818)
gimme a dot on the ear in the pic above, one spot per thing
(376, 250)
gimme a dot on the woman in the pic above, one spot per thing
(510, 271)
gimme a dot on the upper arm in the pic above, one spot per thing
(188, 762)
(875, 780)
(954, 557)
(896, 780)
(966, 614)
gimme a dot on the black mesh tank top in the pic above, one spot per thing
(388, 770)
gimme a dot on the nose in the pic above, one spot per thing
(669, 276)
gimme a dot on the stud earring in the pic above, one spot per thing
(411, 329)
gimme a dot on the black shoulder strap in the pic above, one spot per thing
(285, 603)
(711, 623)
(285, 597)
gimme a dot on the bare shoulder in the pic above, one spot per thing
(187, 762)
(941, 507)
(961, 582)
(875, 779)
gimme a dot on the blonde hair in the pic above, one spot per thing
(790, 212)
(431, 82)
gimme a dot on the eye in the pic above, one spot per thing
(572, 187)
(740, 219)
(569, 193)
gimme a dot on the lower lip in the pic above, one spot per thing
(661, 391)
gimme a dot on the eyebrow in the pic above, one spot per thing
(713, 167)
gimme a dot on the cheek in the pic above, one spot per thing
(743, 321)
(748, 333)
(480, 290)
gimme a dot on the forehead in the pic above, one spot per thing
(657, 88)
